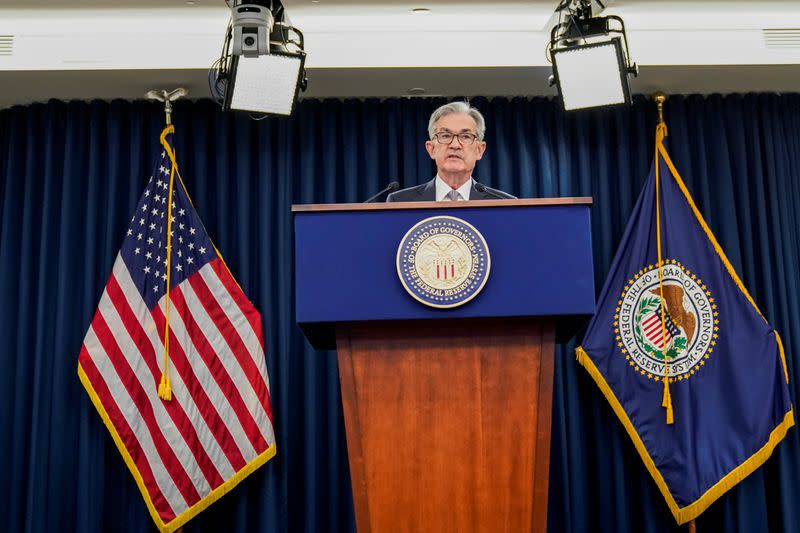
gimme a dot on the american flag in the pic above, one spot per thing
(217, 428)
(652, 329)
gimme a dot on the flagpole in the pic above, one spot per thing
(661, 132)
(659, 98)
(164, 387)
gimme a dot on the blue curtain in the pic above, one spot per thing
(70, 176)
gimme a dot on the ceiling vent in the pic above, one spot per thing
(782, 37)
(6, 45)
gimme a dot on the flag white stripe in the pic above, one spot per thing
(652, 325)
(656, 326)
(652, 320)
(654, 330)
(204, 377)
(140, 369)
(250, 341)
(237, 318)
(130, 413)
(136, 303)
(179, 391)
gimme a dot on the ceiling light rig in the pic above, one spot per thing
(590, 56)
(261, 68)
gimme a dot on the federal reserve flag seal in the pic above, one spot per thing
(443, 262)
(689, 332)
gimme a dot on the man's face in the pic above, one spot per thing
(455, 158)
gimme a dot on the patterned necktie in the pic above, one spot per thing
(453, 195)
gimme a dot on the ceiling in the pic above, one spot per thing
(360, 48)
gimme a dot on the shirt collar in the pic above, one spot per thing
(443, 188)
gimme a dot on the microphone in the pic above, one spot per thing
(480, 187)
(393, 186)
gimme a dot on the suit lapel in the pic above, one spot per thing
(428, 193)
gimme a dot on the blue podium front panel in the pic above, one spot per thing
(345, 264)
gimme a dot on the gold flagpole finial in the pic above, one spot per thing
(167, 97)
(659, 98)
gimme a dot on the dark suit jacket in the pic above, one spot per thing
(427, 193)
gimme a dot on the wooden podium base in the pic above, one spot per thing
(448, 423)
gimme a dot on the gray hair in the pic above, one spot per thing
(457, 107)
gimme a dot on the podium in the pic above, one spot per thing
(447, 411)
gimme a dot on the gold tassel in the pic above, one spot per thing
(164, 388)
(667, 402)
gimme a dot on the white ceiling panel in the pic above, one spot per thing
(100, 49)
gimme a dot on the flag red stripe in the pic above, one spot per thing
(231, 336)
(657, 341)
(155, 332)
(651, 320)
(659, 344)
(652, 325)
(139, 397)
(655, 333)
(237, 295)
(178, 359)
(218, 372)
(251, 314)
(127, 436)
(654, 321)
(173, 408)
(652, 329)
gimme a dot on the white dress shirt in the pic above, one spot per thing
(443, 188)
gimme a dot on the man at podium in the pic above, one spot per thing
(456, 143)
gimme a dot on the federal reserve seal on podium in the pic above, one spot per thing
(443, 261)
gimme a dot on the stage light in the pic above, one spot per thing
(262, 65)
(266, 84)
(591, 62)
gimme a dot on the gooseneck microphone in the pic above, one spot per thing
(480, 187)
(393, 186)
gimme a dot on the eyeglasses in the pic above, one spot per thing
(445, 137)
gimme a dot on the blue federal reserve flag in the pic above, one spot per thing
(685, 358)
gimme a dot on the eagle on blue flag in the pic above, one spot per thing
(679, 348)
